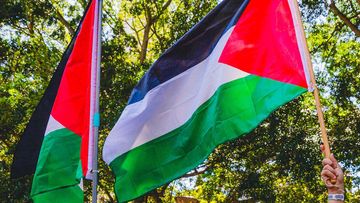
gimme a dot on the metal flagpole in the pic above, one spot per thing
(96, 118)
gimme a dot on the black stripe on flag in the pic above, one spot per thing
(28, 148)
(196, 45)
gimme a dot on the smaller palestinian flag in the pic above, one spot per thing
(244, 60)
(58, 142)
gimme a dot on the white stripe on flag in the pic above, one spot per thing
(301, 41)
(52, 125)
(169, 105)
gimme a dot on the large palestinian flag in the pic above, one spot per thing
(218, 82)
(57, 143)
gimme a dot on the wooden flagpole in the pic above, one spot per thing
(298, 24)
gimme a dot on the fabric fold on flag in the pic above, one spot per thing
(56, 145)
(217, 83)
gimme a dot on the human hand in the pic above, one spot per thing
(332, 171)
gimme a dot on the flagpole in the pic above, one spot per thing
(313, 81)
(97, 94)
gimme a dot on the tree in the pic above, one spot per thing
(278, 162)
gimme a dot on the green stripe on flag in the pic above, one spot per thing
(235, 109)
(71, 194)
(57, 167)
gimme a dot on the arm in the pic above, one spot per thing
(332, 171)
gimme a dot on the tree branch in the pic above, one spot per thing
(355, 16)
(22, 29)
(111, 17)
(337, 28)
(146, 38)
(109, 195)
(162, 10)
(4, 141)
(83, 3)
(352, 6)
(196, 172)
(153, 29)
(30, 25)
(150, 20)
(141, 22)
(132, 27)
(64, 22)
(145, 43)
(345, 19)
(165, 5)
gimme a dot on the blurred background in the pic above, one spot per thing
(280, 161)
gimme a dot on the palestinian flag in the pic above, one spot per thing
(217, 83)
(57, 143)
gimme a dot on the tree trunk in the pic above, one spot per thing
(65, 23)
(345, 19)
(145, 42)
(140, 200)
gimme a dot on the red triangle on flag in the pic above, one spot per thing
(264, 43)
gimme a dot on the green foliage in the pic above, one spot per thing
(279, 161)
